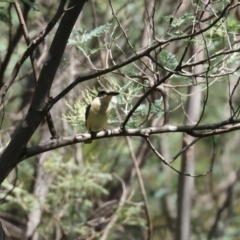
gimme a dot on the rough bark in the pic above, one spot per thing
(39, 106)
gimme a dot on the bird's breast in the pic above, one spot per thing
(98, 116)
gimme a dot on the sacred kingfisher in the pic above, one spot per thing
(97, 112)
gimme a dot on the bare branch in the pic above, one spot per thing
(30, 49)
(142, 188)
(167, 163)
(33, 62)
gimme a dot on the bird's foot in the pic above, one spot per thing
(105, 130)
(93, 135)
(122, 127)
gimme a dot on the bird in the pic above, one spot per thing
(97, 113)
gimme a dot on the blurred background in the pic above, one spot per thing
(92, 191)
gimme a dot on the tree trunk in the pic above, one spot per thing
(186, 184)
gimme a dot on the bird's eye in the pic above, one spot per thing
(102, 93)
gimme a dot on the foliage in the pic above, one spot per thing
(4, 17)
(80, 38)
(147, 111)
(31, 4)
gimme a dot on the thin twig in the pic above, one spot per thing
(137, 56)
(225, 204)
(13, 186)
(120, 205)
(166, 163)
(184, 149)
(231, 98)
(165, 104)
(172, 17)
(141, 99)
(30, 49)
(142, 188)
(207, 80)
(33, 63)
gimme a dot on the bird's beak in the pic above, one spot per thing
(112, 93)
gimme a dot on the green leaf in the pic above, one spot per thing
(31, 4)
(233, 25)
(168, 59)
(81, 38)
(4, 17)
(95, 32)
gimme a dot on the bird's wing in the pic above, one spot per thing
(87, 112)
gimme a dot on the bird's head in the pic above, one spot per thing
(107, 93)
(105, 96)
